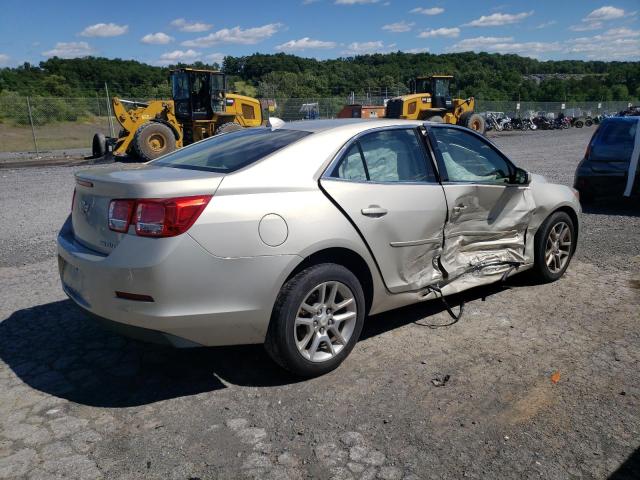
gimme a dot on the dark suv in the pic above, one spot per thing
(607, 164)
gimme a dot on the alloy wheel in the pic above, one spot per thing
(325, 321)
(558, 247)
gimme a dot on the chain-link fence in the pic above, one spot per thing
(573, 109)
(37, 125)
(41, 124)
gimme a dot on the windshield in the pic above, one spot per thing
(614, 142)
(180, 86)
(229, 152)
(441, 87)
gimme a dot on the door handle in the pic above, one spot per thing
(374, 211)
(459, 208)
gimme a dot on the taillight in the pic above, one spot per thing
(168, 217)
(120, 212)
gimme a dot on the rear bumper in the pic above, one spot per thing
(198, 298)
(605, 185)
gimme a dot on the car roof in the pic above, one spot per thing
(622, 119)
(315, 126)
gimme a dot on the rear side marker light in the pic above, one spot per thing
(134, 296)
(120, 212)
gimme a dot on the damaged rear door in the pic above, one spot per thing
(489, 204)
(385, 184)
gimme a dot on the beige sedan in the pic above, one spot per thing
(291, 235)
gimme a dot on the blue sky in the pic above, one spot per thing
(162, 32)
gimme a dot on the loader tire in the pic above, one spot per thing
(99, 145)
(435, 119)
(152, 140)
(473, 121)
(228, 127)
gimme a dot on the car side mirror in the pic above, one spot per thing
(521, 177)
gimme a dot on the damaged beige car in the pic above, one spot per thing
(291, 235)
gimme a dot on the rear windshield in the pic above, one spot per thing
(614, 142)
(229, 152)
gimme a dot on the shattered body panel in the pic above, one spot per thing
(486, 229)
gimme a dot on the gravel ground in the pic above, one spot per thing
(543, 379)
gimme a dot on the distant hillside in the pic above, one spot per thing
(486, 76)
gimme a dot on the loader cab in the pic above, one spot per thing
(439, 88)
(198, 94)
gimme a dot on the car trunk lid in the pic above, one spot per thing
(96, 188)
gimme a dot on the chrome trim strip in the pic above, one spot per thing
(414, 243)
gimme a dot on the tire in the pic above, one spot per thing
(543, 244)
(435, 119)
(286, 330)
(474, 122)
(228, 127)
(99, 145)
(152, 140)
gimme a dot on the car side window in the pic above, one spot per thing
(352, 166)
(394, 155)
(467, 158)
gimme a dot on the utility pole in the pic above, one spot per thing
(33, 130)
(109, 112)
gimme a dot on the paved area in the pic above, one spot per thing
(543, 380)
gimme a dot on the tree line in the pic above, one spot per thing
(482, 75)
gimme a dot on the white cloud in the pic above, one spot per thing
(250, 36)
(70, 50)
(104, 30)
(193, 27)
(586, 27)
(4, 59)
(362, 48)
(616, 44)
(398, 27)
(428, 11)
(440, 32)
(605, 13)
(215, 58)
(622, 32)
(497, 19)
(355, 2)
(303, 44)
(178, 56)
(416, 50)
(478, 43)
(546, 24)
(158, 38)
(595, 19)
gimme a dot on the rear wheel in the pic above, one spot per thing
(316, 320)
(153, 140)
(99, 145)
(554, 247)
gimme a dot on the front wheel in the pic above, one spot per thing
(554, 247)
(152, 140)
(316, 320)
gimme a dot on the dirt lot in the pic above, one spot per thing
(544, 379)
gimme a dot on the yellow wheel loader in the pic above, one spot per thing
(432, 101)
(200, 108)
